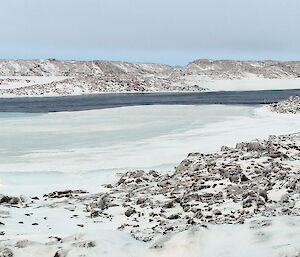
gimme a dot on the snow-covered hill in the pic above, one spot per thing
(54, 77)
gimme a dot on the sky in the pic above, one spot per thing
(165, 31)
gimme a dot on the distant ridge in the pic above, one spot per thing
(57, 77)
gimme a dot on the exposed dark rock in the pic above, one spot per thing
(6, 252)
(129, 212)
(60, 253)
(22, 244)
(85, 244)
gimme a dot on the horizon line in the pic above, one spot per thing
(141, 62)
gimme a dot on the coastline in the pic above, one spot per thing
(119, 204)
(206, 86)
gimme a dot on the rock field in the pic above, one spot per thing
(292, 105)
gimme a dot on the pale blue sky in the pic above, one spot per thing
(166, 31)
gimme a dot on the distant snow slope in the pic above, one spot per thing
(53, 77)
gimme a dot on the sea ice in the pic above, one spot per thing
(86, 144)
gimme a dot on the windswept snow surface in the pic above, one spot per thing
(15, 82)
(279, 239)
(249, 84)
(84, 149)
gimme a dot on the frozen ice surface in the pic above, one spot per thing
(86, 145)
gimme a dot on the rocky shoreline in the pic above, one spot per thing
(255, 179)
(252, 182)
(258, 178)
(292, 105)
